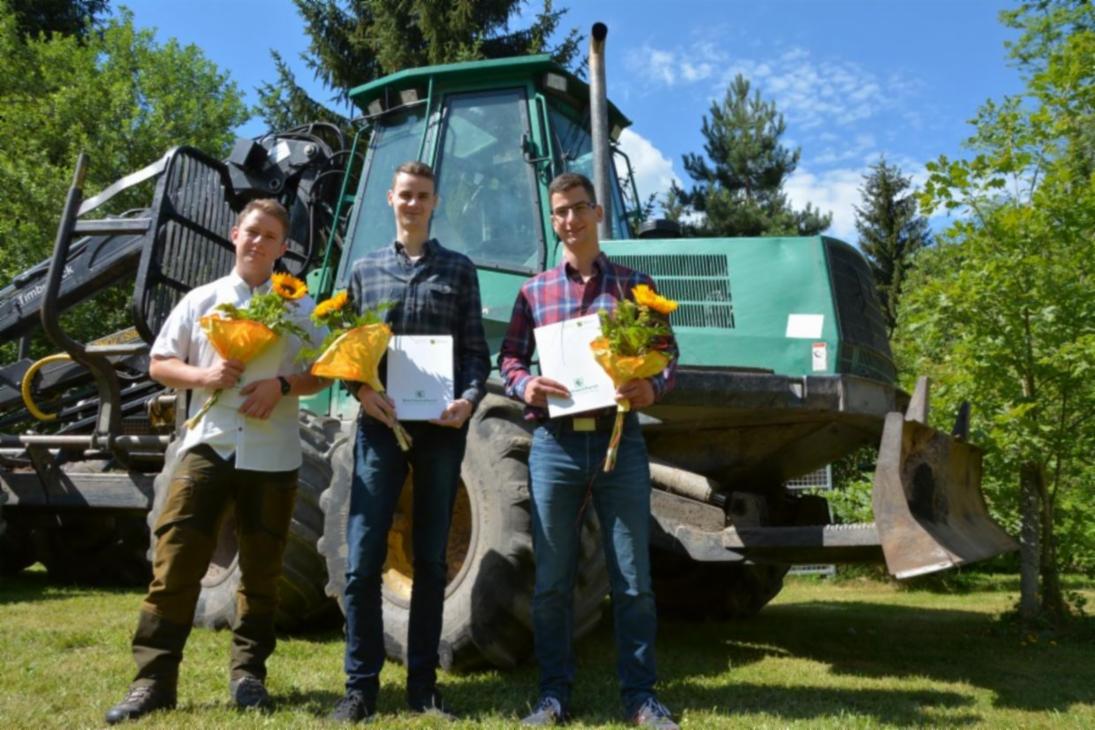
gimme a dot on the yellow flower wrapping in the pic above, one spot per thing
(624, 368)
(237, 339)
(233, 339)
(356, 355)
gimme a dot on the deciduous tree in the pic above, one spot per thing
(1002, 313)
(119, 96)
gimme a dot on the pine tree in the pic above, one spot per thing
(67, 17)
(739, 184)
(890, 232)
(357, 41)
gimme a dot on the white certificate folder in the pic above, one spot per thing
(565, 356)
(420, 377)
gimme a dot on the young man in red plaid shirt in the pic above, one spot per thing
(565, 464)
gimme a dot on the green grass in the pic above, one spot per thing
(834, 655)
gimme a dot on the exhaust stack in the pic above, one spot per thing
(598, 118)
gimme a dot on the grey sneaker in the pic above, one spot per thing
(548, 711)
(140, 700)
(430, 704)
(352, 708)
(249, 693)
(655, 715)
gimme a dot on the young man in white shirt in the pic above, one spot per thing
(244, 453)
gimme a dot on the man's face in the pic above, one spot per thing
(413, 200)
(574, 218)
(259, 240)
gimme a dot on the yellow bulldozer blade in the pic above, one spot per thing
(927, 499)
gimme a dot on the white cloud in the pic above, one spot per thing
(836, 191)
(859, 147)
(832, 191)
(653, 170)
(811, 92)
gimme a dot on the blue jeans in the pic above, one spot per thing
(380, 468)
(562, 464)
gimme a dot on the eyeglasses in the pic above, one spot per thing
(579, 209)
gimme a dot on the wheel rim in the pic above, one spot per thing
(398, 571)
(225, 554)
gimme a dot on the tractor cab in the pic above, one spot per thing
(496, 133)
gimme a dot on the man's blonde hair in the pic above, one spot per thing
(270, 207)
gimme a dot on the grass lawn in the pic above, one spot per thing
(833, 655)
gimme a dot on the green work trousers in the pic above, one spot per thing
(204, 491)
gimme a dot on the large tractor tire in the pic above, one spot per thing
(688, 589)
(487, 617)
(16, 545)
(301, 600)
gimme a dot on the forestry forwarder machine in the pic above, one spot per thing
(784, 368)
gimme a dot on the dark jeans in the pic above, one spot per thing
(204, 488)
(562, 464)
(380, 468)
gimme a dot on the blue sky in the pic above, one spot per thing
(855, 79)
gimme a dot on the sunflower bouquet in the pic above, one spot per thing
(633, 343)
(243, 333)
(353, 348)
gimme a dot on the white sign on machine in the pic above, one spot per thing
(809, 327)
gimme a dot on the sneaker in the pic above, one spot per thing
(548, 711)
(430, 704)
(352, 708)
(654, 714)
(140, 700)
(249, 693)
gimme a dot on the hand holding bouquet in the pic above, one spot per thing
(632, 346)
(354, 348)
(243, 333)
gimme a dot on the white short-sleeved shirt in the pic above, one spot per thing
(272, 444)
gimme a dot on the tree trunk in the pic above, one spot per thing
(1053, 603)
(1029, 539)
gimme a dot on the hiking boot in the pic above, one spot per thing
(353, 708)
(548, 711)
(140, 700)
(655, 715)
(430, 704)
(249, 693)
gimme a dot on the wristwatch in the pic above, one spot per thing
(285, 386)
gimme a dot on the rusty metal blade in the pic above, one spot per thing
(927, 501)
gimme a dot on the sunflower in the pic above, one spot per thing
(288, 286)
(334, 304)
(647, 297)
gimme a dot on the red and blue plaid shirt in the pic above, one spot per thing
(559, 294)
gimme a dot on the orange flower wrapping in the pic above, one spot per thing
(622, 368)
(233, 339)
(237, 339)
(356, 355)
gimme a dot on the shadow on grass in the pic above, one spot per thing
(878, 641)
(37, 585)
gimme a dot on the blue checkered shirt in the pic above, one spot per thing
(436, 295)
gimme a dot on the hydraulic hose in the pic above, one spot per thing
(28, 377)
